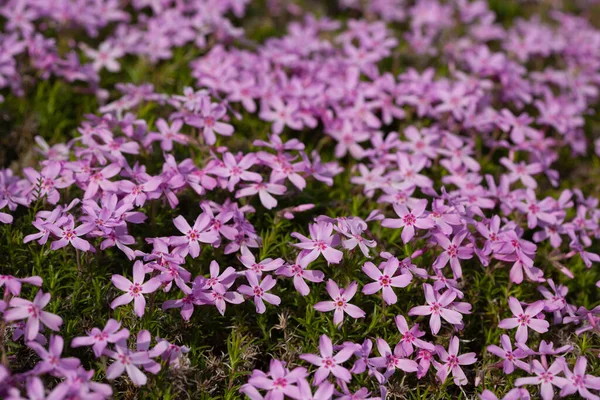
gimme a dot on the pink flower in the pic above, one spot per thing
(51, 358)
(33, 312)
(299, 272)
(513, 394)
(268, 264)
(411, 336)
(546, 377)
(167, 135)
(579, 381)
(264, 190)
(280, 381)
(340, 304)
(68, 234)
(236, 170)
(320, 242)
(392, 361)
(12, 284)
(385, 281)
(453, 251)
(259, 291)
(438, 306)
(409, 219)
(209, 121)
(99, 180)
(134, 290)
(99, 339)
(522, 172)
(328, 363)
(524, 319)
(451, 362)
(511, 357)
(200, 232)
(127, 361)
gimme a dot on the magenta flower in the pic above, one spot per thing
(259, 291)
(268, 264)
(513, 394)
(438, 307)
(209, 121)
(166, 134)
(33, 312)
(51, 358)
(300, 274)
(99, 339)
(134, 290)
(409, 219)
(99, 180)
(546, 377)
(340, 304)
(321, 242)
(524, 319)
(264, 191)
(580, 382)
(328, 363)
(450, 362)
(453, 252)
(235, 170)
(280, 381)
(200, 232)
(324, 391)
(511, 357)
(386, 280)
(47, 182)
(127, 361)
(410, 337)
(392, 361)
(522, 172)
(68, 234)
(12, 284)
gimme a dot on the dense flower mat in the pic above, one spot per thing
(299, 199)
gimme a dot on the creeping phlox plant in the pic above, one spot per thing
(359, 200)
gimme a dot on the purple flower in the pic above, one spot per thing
(578, 381)
(513, 394)
(300, 274)
(409, 219)
(410, 337)
(127, 361)
(511, 357)
(167, 134)
(268, 264)
(99, 339)
(280, 381)
(259, 291)
(33, 312)
(385, 280)
(51, 358)
(134, 290)
(453, 252)
(200, 232)
(12, 284)
(450, 362)
(340, 304)
(438, 306)
(236, 170)
(392, 361)
(328, 363)
(68, 234)
(546, 377)
(524, 319)
(321, 242)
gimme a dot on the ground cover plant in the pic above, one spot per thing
(220, 199)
